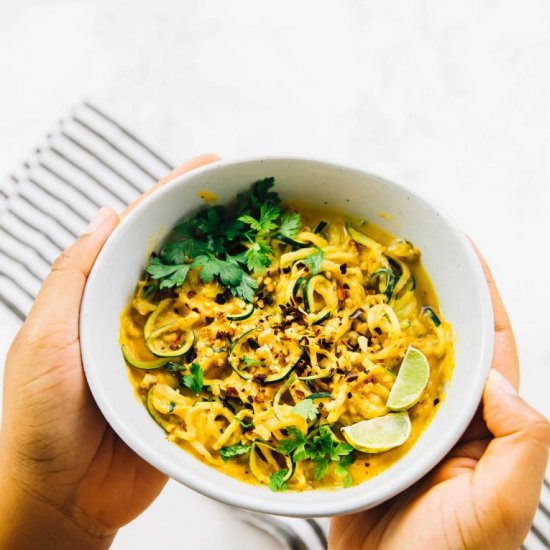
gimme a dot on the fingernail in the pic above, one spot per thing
(501, 382)
(97, 221)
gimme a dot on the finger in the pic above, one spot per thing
(513, 466)
(192, 164)
(56, 308)
(505, 356)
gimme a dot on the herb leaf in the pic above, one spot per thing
(246, 288)
(321, 447)
(229, 272)
(232, 451)
(297, 438)
(290, 224)
(277, 480)
(306, 409)
(321, 468)
(194, 381)
(171, 275)
(228, 244)
(266, 222)
(314, 261)
(257, 257)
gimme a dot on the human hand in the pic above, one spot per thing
(66, 479)
(485, 492)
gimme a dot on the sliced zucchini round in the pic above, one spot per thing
(320, 316)
(297, 285)
(361, 238)
(386, 281)
(320, 226)
(157, 417)
(429, 312)
(132, 360)
(325, 373)
(281, 391)
(152, 319)
(294, 244)
(308, 292)
(249, 310)
(291, 257)
(158, 347)
(263, 462)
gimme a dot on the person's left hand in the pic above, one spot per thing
(66, 479)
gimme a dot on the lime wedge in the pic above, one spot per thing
(411, 381)
(379, 434)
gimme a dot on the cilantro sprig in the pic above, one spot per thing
(277, 480)
(194, 381)
(228, 244)
(322, 448)
(314, 261)
(232, 451)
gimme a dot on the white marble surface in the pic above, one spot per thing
(451, 98)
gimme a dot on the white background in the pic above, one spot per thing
(451, 98)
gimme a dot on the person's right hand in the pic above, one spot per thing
(485, 492)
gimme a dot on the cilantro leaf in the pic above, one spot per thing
(321, 468)
(306, 409)
(216, 240)
(245, 425)
(342, 471)
(260, 192)
(277, 480)
(176, 252)
(231, 451)
(246, 288)
(321, 447)
(170, 275)
(290, 224)
(149, 288)
(257, 257)
(314, 261)
(296, 440)
(194, 381)
(266, 222)
(229, 272)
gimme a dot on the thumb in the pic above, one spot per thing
(513, 466)
(56, 308)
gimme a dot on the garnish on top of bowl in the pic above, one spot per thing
(286, 346)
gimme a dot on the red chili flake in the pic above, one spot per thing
(231, 392)
(260, 378)
(191, 294)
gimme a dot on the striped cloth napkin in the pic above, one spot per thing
(90, 161)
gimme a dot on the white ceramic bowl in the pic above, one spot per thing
(446, 254)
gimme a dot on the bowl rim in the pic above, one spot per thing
(341, 502)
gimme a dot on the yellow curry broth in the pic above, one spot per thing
(197, 299)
